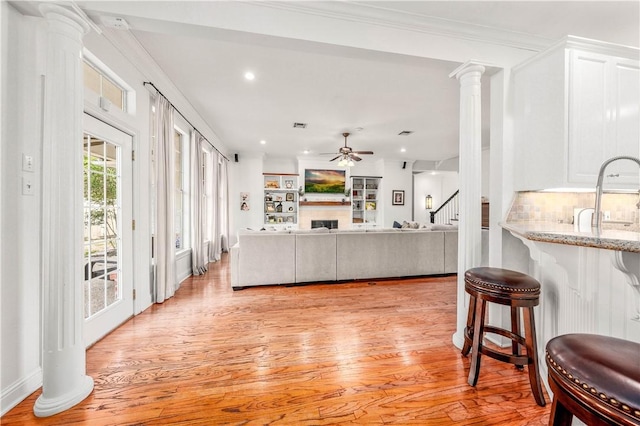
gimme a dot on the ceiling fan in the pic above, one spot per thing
(347, 155)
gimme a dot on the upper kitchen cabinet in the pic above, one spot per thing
(576, 105)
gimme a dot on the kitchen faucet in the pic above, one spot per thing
(596, 221)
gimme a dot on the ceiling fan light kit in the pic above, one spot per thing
(347, 155)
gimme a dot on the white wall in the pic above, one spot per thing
(20, 369)
(245, 176)
(395, 178)
(440, 185)
(280, 165)
(485, 188)
(443, 182)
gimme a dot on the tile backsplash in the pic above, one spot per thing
(557, 207)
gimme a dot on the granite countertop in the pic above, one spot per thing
(562, 233)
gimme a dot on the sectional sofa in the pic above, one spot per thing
(302, 256)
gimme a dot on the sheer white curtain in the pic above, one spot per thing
(224, 205)
(199, 256)
(219, 236)
(166, 278)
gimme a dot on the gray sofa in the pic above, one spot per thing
(301, 256)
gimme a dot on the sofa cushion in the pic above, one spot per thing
(389, 254)
(444, 227)
(266, 258)
(315, 257)
(312, 231)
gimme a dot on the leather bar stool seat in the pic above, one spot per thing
(595, 378)
(519, 292)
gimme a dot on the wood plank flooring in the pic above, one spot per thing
(361, 353)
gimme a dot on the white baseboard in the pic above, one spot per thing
(19, 390)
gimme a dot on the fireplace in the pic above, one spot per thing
(331, 224)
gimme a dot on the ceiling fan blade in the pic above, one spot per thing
(355, 157)
(362, 152)
(335, 158)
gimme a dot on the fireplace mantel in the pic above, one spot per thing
(325, 203)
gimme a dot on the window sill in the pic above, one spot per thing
(182, 253)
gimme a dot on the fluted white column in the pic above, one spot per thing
(470, 177)
(65, 382)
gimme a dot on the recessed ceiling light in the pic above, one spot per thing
(263, 142)
(403, 149)
(306, 151)
(249, 75)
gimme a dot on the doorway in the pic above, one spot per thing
(107, 228)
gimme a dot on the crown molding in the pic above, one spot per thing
(374, 14)
(584, 44)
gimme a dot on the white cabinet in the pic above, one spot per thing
(577, 105)
(281, 201)
(364, 201)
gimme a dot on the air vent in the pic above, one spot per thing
(299, 125)
(405, 133)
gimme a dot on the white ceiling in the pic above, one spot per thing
(336, 88)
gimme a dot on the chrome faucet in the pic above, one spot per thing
(596, 221)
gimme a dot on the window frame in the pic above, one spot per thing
(129, 95)
(184, 189)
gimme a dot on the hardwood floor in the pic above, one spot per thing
(365, 353)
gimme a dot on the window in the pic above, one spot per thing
(206, 193)
(99, 83)
(180, 198)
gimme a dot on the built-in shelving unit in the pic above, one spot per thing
(364, 200)
(281, 200)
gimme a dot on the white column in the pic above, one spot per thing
(470, 176)
(65, 382)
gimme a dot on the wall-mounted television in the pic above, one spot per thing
(318, 181)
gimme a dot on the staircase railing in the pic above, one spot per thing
(447, 212)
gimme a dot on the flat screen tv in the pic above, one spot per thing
(324, 181)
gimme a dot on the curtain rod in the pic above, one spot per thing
(182, 115)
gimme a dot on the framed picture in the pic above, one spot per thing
(288, 184)
(397, 197)
(289, 196)
(269, 206)
(244, 201)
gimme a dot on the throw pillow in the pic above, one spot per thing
(396, 224)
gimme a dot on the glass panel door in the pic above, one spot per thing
(108, 299)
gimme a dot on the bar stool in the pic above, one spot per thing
(513, 289)
(595, 378)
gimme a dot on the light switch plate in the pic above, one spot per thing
(27, 186)
(27, 163)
